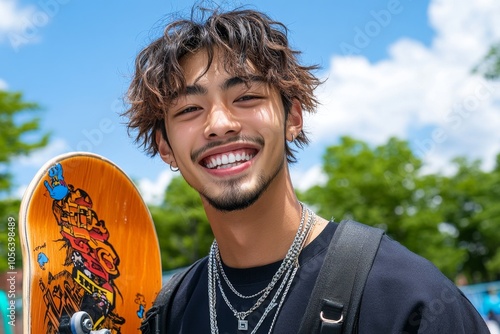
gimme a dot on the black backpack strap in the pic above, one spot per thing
(336, 297)
(157, 316)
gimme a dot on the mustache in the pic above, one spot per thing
(199, 152)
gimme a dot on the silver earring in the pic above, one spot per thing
(292, 138)
(173, 169)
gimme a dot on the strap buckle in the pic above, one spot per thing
(331, 321)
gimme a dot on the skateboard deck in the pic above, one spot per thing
(89, 244)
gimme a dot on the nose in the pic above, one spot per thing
(221, 122)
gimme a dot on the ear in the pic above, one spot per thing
(294, 121)
(165, 150)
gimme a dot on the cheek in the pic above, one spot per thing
(272, 134)
(270, 120)
(181, 140)
(271, 128)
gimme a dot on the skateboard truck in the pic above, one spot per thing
(79, 323)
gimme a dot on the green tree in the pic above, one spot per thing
(383, 187)
(18, 121)
(489, 66)
(452, 220)
(182, 227)
(19, 135)
(470, 208)
(488, 256)
(490, 226)
(373, 185)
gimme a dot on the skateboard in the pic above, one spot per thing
(91, 258)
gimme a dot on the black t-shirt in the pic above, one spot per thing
(404, 293)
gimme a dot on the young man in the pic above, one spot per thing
(222, 100)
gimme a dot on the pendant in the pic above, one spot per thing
(242, 325)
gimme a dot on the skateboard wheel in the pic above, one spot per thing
(81, 323)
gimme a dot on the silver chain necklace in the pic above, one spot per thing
(284, 264)
(229, 284)
(288, 268)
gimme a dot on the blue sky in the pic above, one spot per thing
(398, 67)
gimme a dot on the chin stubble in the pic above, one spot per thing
(234, 198)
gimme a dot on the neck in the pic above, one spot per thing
(260, 234)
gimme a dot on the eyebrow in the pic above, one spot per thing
(227, 84)
(235, 81)
(195, 90)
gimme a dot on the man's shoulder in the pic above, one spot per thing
(394, 261)
(405, 292)
(192, 274)
(401, 273)
(397, 263)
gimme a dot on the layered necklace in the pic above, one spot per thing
(286, 273)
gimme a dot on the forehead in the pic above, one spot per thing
(197, 65)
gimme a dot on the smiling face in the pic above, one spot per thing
(227, 135)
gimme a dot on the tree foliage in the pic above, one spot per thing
(470, 206)
(19, 135)
(182, 227)
(451, 220)
(489, 66)
(19, 125)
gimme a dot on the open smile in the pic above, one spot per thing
(228, 159)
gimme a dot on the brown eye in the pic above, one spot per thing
(187, 110)
(247, 98)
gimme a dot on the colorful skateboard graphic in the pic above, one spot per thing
(89, 244)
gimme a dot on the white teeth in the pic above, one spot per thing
(228, 160)
(226, 166)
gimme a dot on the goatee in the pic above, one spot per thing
(234, 198)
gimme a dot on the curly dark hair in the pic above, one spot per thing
(242, 37)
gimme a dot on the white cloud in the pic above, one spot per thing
(304, 180)
(20, 191)
(3, 85)
(426, 94)
(14, 20)
(153, 191)
(40, 157)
